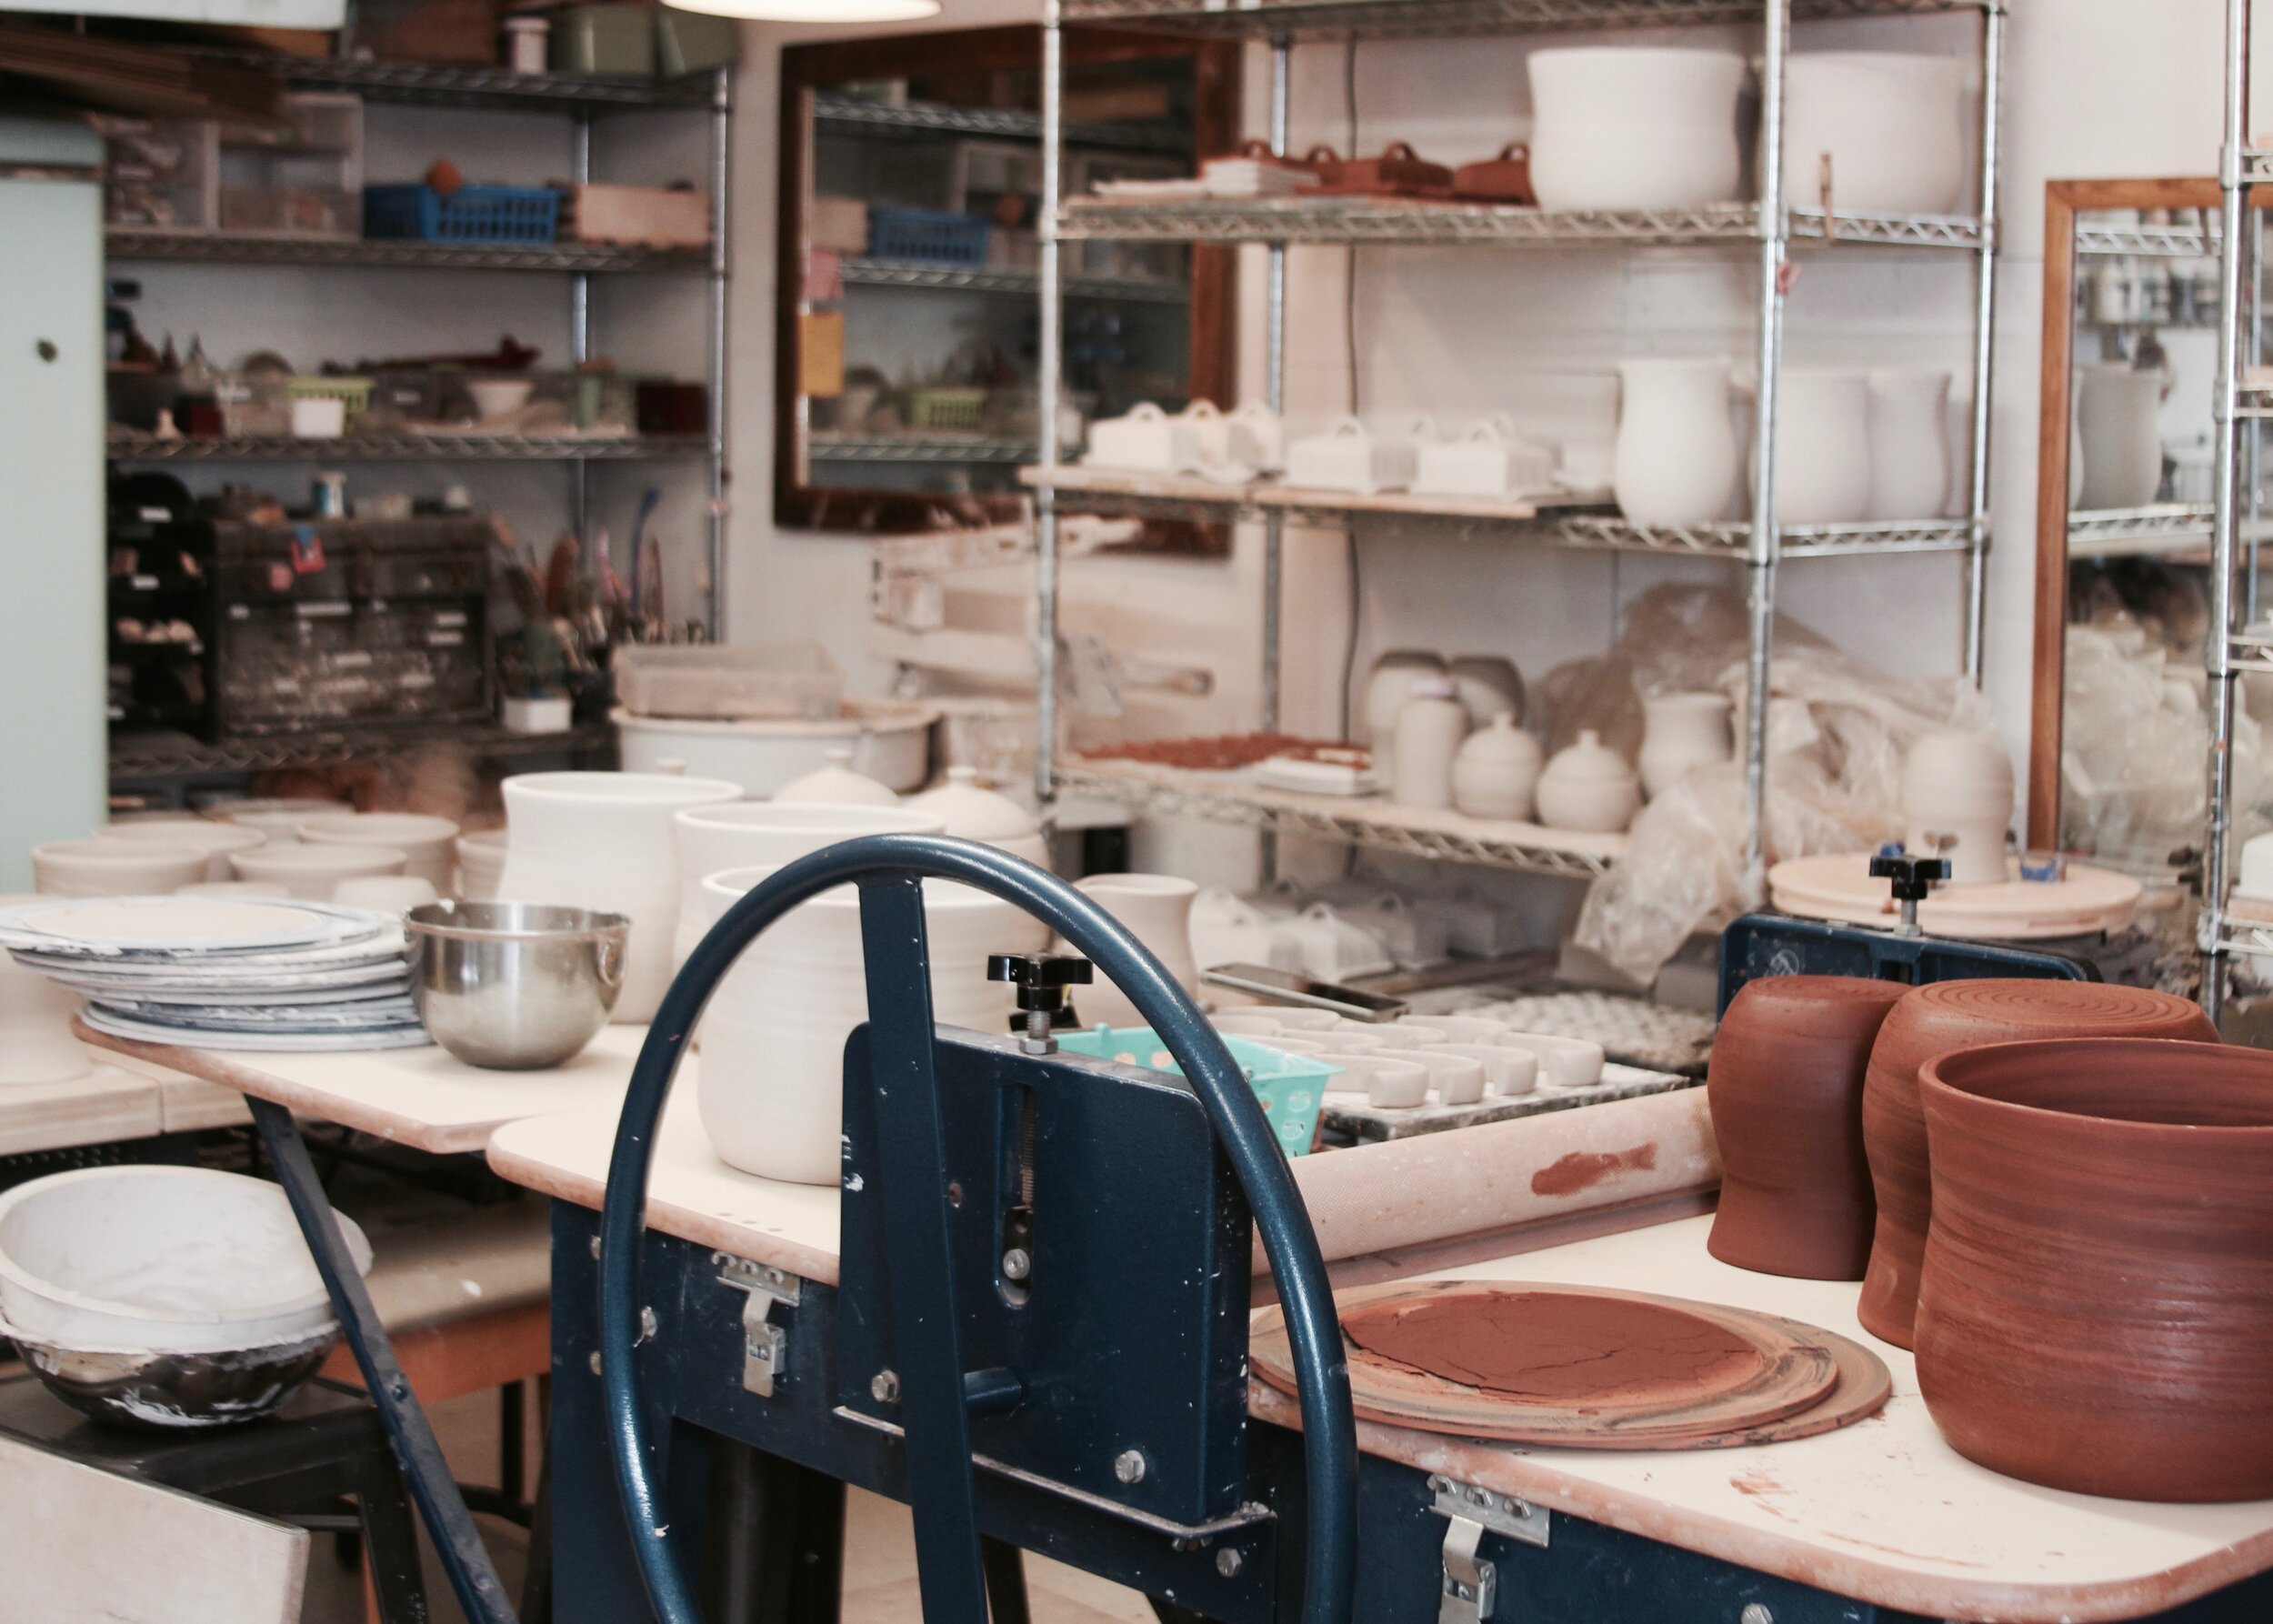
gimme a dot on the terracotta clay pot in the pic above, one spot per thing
(2098, 1289)
(1786, 1092)
(1934, 1020)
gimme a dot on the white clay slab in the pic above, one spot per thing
(172, 926)
(408, 1036)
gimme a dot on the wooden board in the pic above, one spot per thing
(1840, 887)
(77, 1542)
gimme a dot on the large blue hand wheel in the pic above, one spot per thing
(888, 869)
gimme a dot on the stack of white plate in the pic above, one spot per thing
(225, 973)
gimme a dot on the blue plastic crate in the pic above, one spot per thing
(504, 215)
(931, 235)
(1292, 1087)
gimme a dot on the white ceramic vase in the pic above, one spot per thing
(1909, 442)
(1634, 127)
(1890, 127)
(2117, 407)
(1430, 728)
(604, 840)
(1158, 910)
(1497, 771)
(1589, 788)
(771, 1088)
(1680, 732)
(481, 863)
(1823, 463)
(766, 834)
(1957, 803)
(1676, 459)
(1388, 686)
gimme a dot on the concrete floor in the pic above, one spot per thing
(880, 1585)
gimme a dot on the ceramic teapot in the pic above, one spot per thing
(1497, 771)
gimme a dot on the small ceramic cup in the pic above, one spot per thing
(1245, 1023)
(1564, 1062)
(1415, 1034)
(1506, 1071)
(1457, 1079)
(1387, 1083)
(1293, 1017)
(1467, 1028)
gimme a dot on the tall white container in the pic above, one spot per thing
(1823, 458)
(1676, 442)
(1634, 127)
(1890, 127)
(1909, 442)
(2115, 411)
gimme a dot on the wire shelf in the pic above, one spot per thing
(436, 85)
(1405, 19)
(405, 448)
(893, 273)
(1353, 220)
(1170, 792)
(2149, 241)
(1733, 539)
(218, 249)
(2122, 531)
(915, 448)
(853, 114)
(174, 754)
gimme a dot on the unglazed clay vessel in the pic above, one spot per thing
(1786, 1092)
(1588, 786)
(1677, 457)
(2098, 1300)
(1489, 686)
(1909, 442)
(1634, 127)
(312, 872)
(711, 839)
(1890, 127)
(1682, 732)
(1429, 729)
(1823, 466)
(1957, 802)
(1497, 771)
(837, 785)
(107, 868)
(1158, 910)
(1388, 686)
(217, 841)
(1936, 1019)
(971, 811)
(428, 844)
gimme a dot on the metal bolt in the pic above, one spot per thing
(647, 1324)
(1756, 1612)
(595, 1361)
(1128, 1466)
(884, 1387)
(1228, 1562)
(596, 1251)
(1016, 1264)
(954, 1193)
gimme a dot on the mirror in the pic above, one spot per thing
(908, 318)
(2124, 482)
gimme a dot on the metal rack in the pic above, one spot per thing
(583, 100)
(917, 448)
(895, 273)
(177, 756)
(941, 118)
(1769, 227)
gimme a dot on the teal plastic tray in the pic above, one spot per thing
(1292, 1087)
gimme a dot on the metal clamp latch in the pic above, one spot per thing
(765, 1344)
(1470, 1585)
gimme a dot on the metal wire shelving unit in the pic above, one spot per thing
(583, 100)
(1769, 230)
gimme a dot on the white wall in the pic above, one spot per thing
(2091, 92)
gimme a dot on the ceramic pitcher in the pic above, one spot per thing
(1681, 733)
(1676, 443)
(1158, 910)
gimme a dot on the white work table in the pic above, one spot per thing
(1883, 1511)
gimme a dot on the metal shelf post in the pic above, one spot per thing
(721, 176)
(1984, 330)
(1047, 385)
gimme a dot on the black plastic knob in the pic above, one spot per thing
(1041, 979)
(1912, 877)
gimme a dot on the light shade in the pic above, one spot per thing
(813, 11)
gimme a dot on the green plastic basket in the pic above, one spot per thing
(1291, 1086)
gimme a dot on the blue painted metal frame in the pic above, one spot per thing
(1756, 945)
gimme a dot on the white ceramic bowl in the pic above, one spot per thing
(217, 841)
(481, 863)
(1564, 1062)
(384, 893)
(890, 740)
(496, 398)
(766, 834)
(312, 873)
(1455, 1078)
(241, 890)
(425, 842)
(168, 1260)
(103, 867)
(278, 818)
(1506, 1071)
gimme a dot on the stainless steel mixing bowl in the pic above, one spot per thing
(515, 985)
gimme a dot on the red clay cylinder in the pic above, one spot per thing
(1786, 1091)
(1936, 1019)
(2098, 1300)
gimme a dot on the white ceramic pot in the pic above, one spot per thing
(1489, 686)
(1680, 732)
(1497, 771)
(1388, 686)
(766, 834)
(1564, 1062)
(481, 863)
(106, 867)
(772, 1084)
(1455, 1078)
(278, 818)
(428, 844)
(1822, 464)
(1677, 457)
(968, 810)
(2257, 869)
(1909, 442)
(1634, 127)
(1891, 128)
(2117, 409)
(890, 740)
(1506, 1071)
(1429, 729)
(837, 785)
(1158, 910)
(1957, 803)
(604, 840)
(313, 872)
(217, 841)
(1588, 786)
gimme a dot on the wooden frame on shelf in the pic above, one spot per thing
(1215, 66)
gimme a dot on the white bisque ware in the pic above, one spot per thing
(1497, 772)
(772, 1085)
(837, 785)
(481, 863)
(104, 867)
(2117, 411)
(890, 740)
(1429, 729)
(36, 1041)
(604, 841)
(1564, 1062)
(1823, 463)
(711, 839)
(278, 818)
(1157, 909)
(1909, 442)
(313, 872)
(1680, 732)
(1509, 1071)
(1389, 1083)
(427, 843)
(217, 841)
(1455, 1078)
(1676, 459)
(1635, 127)
(1588, 786)
(1957, 803)
(971, 811)
(1388, 686)
(1889, 126)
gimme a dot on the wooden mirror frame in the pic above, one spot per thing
(805, 68)
(2062, 201)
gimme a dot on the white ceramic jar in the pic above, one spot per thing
(1680, 732)
(1677, 457)
(771, 1088)
(837, 785)
(1890, 127)
(711, 839)
(604, 840)
(1957, 803)
(1909, 442)
(1388, 686)
(1823, 463)
(1588, 786)
(2117, 409)
(1430, 728)
(1634, 127)
(1497, 771)
(968, 810)
(1158, 910)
